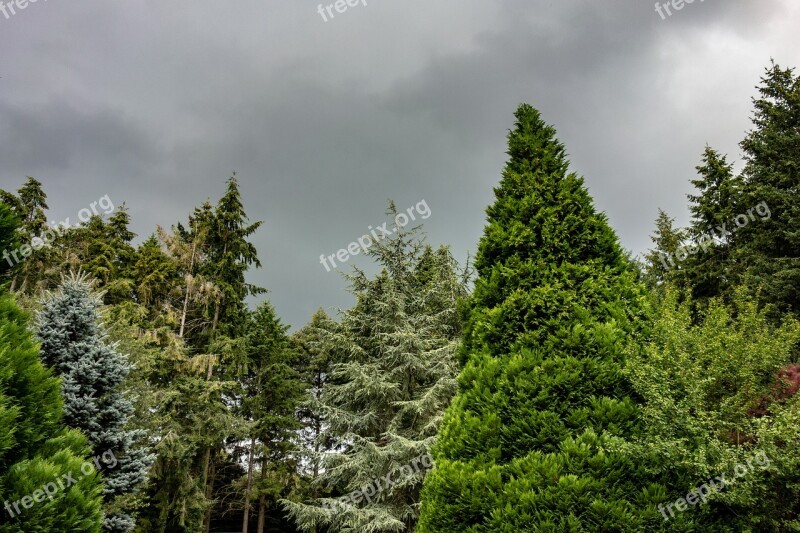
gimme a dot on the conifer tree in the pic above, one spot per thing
(392, 375)
(661, 262)
(706, 271)
(767, 251)
(541, 394)
(74, 345)
(29, 206)
(271, 392)
(316, 367)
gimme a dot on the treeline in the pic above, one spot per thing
(574, 388)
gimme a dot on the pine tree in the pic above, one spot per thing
(34, 448)
(92, 372)
(393, 373)
(522, 447)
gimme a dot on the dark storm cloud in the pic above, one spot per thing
(155, 103)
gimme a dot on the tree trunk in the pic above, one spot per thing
(188, 290)
(209, 482)
(262, 501)
(248, 488)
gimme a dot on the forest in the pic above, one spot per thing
(555, 382)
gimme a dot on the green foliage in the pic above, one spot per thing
(392, 375)
(34, 449)
(542, 389)
(92, 372)
(710, 404)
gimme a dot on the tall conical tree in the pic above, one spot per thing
(73, 344)
(542, 390)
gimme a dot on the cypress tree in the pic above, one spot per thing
(92, 372)
(542, 392)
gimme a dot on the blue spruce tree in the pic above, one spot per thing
(73, 344)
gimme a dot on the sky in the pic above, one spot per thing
(325, 118)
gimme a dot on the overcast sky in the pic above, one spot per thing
(155, 103)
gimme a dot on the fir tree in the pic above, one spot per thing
(522, 448)
(92, 372)
(392, 375)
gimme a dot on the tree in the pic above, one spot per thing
(271, 392)
(767, 253)
(29, 205)
(392, 375)
(718, 392)
(662, 263)
(707, 271)
(34, 447)
(316, 368)
(92, 372)
(542, 393)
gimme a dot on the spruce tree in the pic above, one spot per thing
(92, 371)
(767, 250)
(392, 375)
(706, 270)
(542, 392)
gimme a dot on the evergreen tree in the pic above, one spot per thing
(92, 372)
(392, 375)
(767, 251)
(34, 448)
(316, 367)
(542, 393)
(706, 271)
(29, 205)
(271, 392)
(662, 263)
